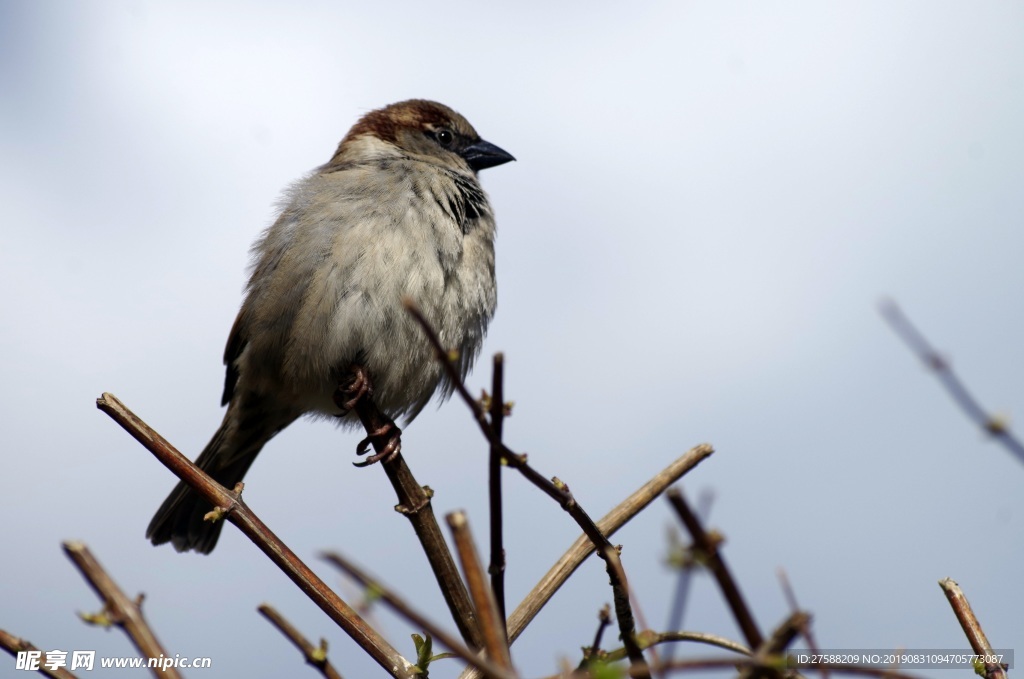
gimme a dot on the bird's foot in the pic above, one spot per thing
(389, 438)
(355, 394)
(356, 386)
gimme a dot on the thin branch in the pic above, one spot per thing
(497, 412)
(491, 627)
(313, 655)
(650, 639)
(414, 504)
(995, 426)
(15, 645)
(582, 547)
(971, 626)
(642, 620)
(235, 510)
(555, 489)
(790, 595)
(774, 664)
(708, 547)
(397, 604)
(768, 664)
(444, 357)
(686, 571)
(697, 637)
(604, 618)
(624, 611)
(118, 609)
(783, 635)
(779, 640)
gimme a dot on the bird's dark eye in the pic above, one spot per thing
(444, 137)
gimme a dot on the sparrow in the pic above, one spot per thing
(398, 212)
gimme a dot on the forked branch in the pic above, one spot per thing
(233, 508)
(118, 609)
(555, 489)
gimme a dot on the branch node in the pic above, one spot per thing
(218, 513)
(406, 510)
(103, 618)
(319, 654)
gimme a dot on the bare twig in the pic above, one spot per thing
(697, 637)
(708, 546)
(236, 511)
(118, 609)
(774, 664)
(604, 618)
(624, 612)
(783, 635)
(753, 663)
(554, 488)
(15, 645)
(642, 620)
(685, 578)
(491, 627)
(582, 547)
(313, 655)
(790, 595)
(444, 357)
(995, 426)
(414, 504)
(497, 412)
(779, 640)
(651, 639)
(971, 626)
(397, 604)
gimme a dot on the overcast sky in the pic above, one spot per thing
(709, 201)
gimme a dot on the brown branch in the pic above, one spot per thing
(783, 635)
(491, 624)
(697, 637)
(971, 626)
(397, 604)
(414, 504)
(775, 644)
(707, 546)
(554, 488)
(682, 559)
(624, 612)
(15, 645)
(453, 375)
(582, 547)
(118, 609)
(313, 655)
(497, 413)
(651, 639)
(642, 620)
(235, 510)
(790, 595)
(917, 342)
(774, 664)
(604, 618)
(770, 664)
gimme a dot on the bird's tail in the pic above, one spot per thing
(226, 458)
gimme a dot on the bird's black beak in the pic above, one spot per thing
(483, 154)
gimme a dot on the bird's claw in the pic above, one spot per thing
(390, 435)
(355, 395)
(348, 395)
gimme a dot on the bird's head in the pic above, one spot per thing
(423, 129)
